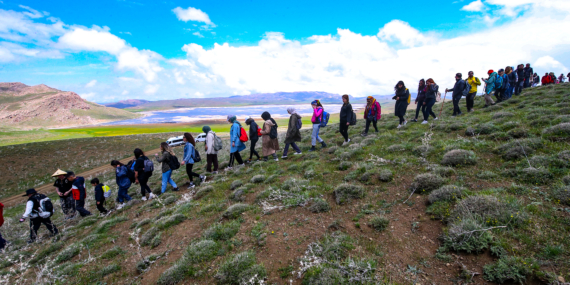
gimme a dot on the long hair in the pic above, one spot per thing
(190, 139)
(116, 163)
(430, 81)
(317, 102)
(345, 96)
(508, 70)
(403, 85)
(165, 147)
(138, 153)
(421, 84)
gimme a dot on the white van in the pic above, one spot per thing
(175, 141)
(201, 137)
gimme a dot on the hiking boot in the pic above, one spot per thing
(436, 118)
(323, 144)
(143, 198)
(203, 178)
(228, 168)
(175, 189)
(424, 122)
(312, 148)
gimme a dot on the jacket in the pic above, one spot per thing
(546, 80)
(528, 72)
(294, 134)
(474, 82)
(520, 74)
(210, 143)
(121, 177)
(164, 159)
(79, 186)
(512, 78)
(269, 145)
(506, 82)
(346, 113)
(458, 88)
(490, 83)
(253, 136)
(375, 111)
(235, 143)
(1, 214)
(431, 92)
(401, 102)
(317, 115)
(31, 208)
(99, 194)
(188, 153)
(63, 186)
(421, 94)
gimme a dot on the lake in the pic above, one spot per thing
(187, 115)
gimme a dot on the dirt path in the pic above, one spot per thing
(48, 188)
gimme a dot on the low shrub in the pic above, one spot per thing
(557, 132)
(396, 148)
(490, 210)
(518, 133)
(147, 237)
(68, 253)
(446, 193)
(562, 195)
(426, 182)
(537, 176)
(385, 175)
(219, 231)
(167, 222)
(344, 193)
(109, 269)
(105, 225)
(240, 268)
(345, 165)
(498, 115)
(309, 173)
(547, 162)
(112, 253)
(319, 205)
(487, 175)
(235, 184)
(440, 210)
(271, 178)
(466, 235)
(295, 185)
(156, 240)
(379, 223)
(459, 157)
(169, 200)
(566, 180)
(238, 194)
(510, 268)
(367, 141)
(422, 150)
(48, 251)
(203, 191)
(256, 179)
(332, 149)
(444, 171)
(235, 210)
(365, 177)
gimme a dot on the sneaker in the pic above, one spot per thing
(228, 168)
(344, 143)
(312, 148)
(151, 196)
(243, 164)
(283, 157)
(248, 161)
(215, 172)
(436, 118)
(348, 141)
(175, 189)
(143, 198)
(399, 126)
(323, 144)
(203, 178)
(191, 185)
(415, 120)
(120, 206)
(424, 122)
(405, 123)
(276, 159)
(297, 153)
(364, 134)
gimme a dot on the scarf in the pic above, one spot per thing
(292, 110)
(206, 129)
(370, 106)
(231, 118)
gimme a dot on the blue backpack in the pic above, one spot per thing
(325, 118)
(498, 82)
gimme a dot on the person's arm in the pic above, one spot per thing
(189, 153)
(29, 208)
(263, 131)
(57, 189)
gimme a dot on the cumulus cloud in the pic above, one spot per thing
(91, 83)
(549, 63)
(198, 34)
(404, 33)
(475, 6)
(192, 14)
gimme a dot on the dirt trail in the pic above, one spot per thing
(48, 188)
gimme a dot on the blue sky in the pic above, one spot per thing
(112, 50)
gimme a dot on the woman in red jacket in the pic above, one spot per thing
(372, 114)
(2, 240)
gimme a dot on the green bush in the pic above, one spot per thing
(459, 157)
(440, 210)
(422, 150)
(511, 268)
(538, 176)
(104, 226)
(240, 269)
(557, 132)
(202, 251)
(169, 200)
(320, 275)
(52, 248)
(68, 253)
(203, 191)
(562, 195)
(379, 223)
(446, 193)
(235, 184)
(147, 237)
(426, 182)
(238, 194)
(109, 270)
(112, 253)
(319, 205)
(344, 193)
(444, 171)
(466, 235)
(385, 175)
(498, 115)
(490, 210)
(219, 231)
(257, 179)
(168, 222)
(518, 133)
(345, 165)
(235, 210)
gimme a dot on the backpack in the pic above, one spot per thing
(498, 82)
(243, 135)
(173, 162)
(45, 206)
(466, 89)
(148, 167)
(299, 124)
(217, 143)
(325, 118)
(131, 170)
(353, 119)
(409, 97)
(106, 191)
(273, 132)
(196, 157)
(438, 96)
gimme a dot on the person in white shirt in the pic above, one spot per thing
(35, 214)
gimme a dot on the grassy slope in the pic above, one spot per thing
(516, 223)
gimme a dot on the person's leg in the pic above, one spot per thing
(367, 126)
(374, 123)
(165, 178)
(64, 209)
(295, 147)
(255, 151)
(252, 149)
(34, 227)
(2, 242)
(170, 181)
(209, 162)
(429, 106)
(314, 134)
(231, 164)
(189, 172)
(286, 149)
(192, 172)
(100, 207)
(418, 108)
(50, 226)
(126, 195)
(80, 207)
(70, 206)
(343, 129)
(215, 161)
(237, 156)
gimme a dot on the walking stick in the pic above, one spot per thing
(444, 95)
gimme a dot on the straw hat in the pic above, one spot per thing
(59, 172)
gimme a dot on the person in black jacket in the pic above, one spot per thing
(141, 176)
(99, 195)
(431, 95)
(457, 93)
(528, 75)
(420, 99)
(78, 193)
(346, 114)
(521, 80)
(402, 98)
(63, 188)
(253, 138)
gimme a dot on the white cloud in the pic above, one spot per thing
(125, 92)
(549, 63)
(91, 83)
(475, 6)
(198, 34)
(404, 33)
(32, 13)
(151, 89)
(192, 14)
(88, 96)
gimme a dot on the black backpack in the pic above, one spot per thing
(273, 132)
(196, 157)
(173, 162)
(43, 206)
(130, 171)
(466, 88)
(353, 119)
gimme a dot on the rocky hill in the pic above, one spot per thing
(24, 106)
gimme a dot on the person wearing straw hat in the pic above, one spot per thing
(63, 187)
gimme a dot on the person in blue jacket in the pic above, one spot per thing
(236, 145)
(78, 192)
(123, 182)
(188, 159)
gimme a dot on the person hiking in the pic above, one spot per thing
(402, 98)
(372, 113)
(528, 76)
(521, 79)
(293, 132)
(63, 189)
(535, 80)
(78, 192)
(253, 137)
(346, 114)
(561, 78)
(99, 195)
(431, 95)
(236, 144)
(501, 90)
(318, 111)
(188, 159)
(420, 98)
(470, 98)
(457, 93)
(141, 176)
(270, 144)
(123, 182)
(166, 158)
(545, 79)
(489, 87)
(211, 152)
(2, 240)
(33, 211)
(512, 76)
(553, 79)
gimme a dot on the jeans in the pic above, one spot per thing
(101, 206)
(80, 207)
(295, 147)
(166, 178)
(67, 205)
(419, 107)
(35, 224)
(233, 157)
(211, 159)
(315, 135)
(519, 87)
(428, 108)
(470, 98)
(143, 181)
(190, 173)
(343, 129)
(456, 100)
(2, 242)
(500, 95)
(509, 92)
(123, 195)
(368, 121)
(526, 82)
(252, 150)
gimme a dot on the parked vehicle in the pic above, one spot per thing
(201, 137)
(175, 141)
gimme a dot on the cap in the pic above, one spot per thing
(30, 191)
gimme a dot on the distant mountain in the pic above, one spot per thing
(126, 103)
(23, 106)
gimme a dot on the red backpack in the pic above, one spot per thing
(243, 135)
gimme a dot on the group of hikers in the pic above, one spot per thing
(72, 190)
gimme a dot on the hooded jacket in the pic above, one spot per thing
(490, 83)
(253, 136)
(121, 177)
(458, 88)
(431, 91)
(269, 145)
(99, 194)
(164, 159)
(235, 143)
(293, 134)
(79, 185)
(401, 102)
(373, 111)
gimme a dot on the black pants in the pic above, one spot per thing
(143, 181)
(518, 87)
(402, 120)
(343, 129)
(235, 156)
(67, 205)
(252, 150)
(295, 147)
(500, 94)
(368, 121)
(2, 242)
(456, 109)
(470, 98)
(419, 107)
(211, 159)
(191, 174)
(427, 109)
(101, 206)
(80, 207)
(35, 224)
